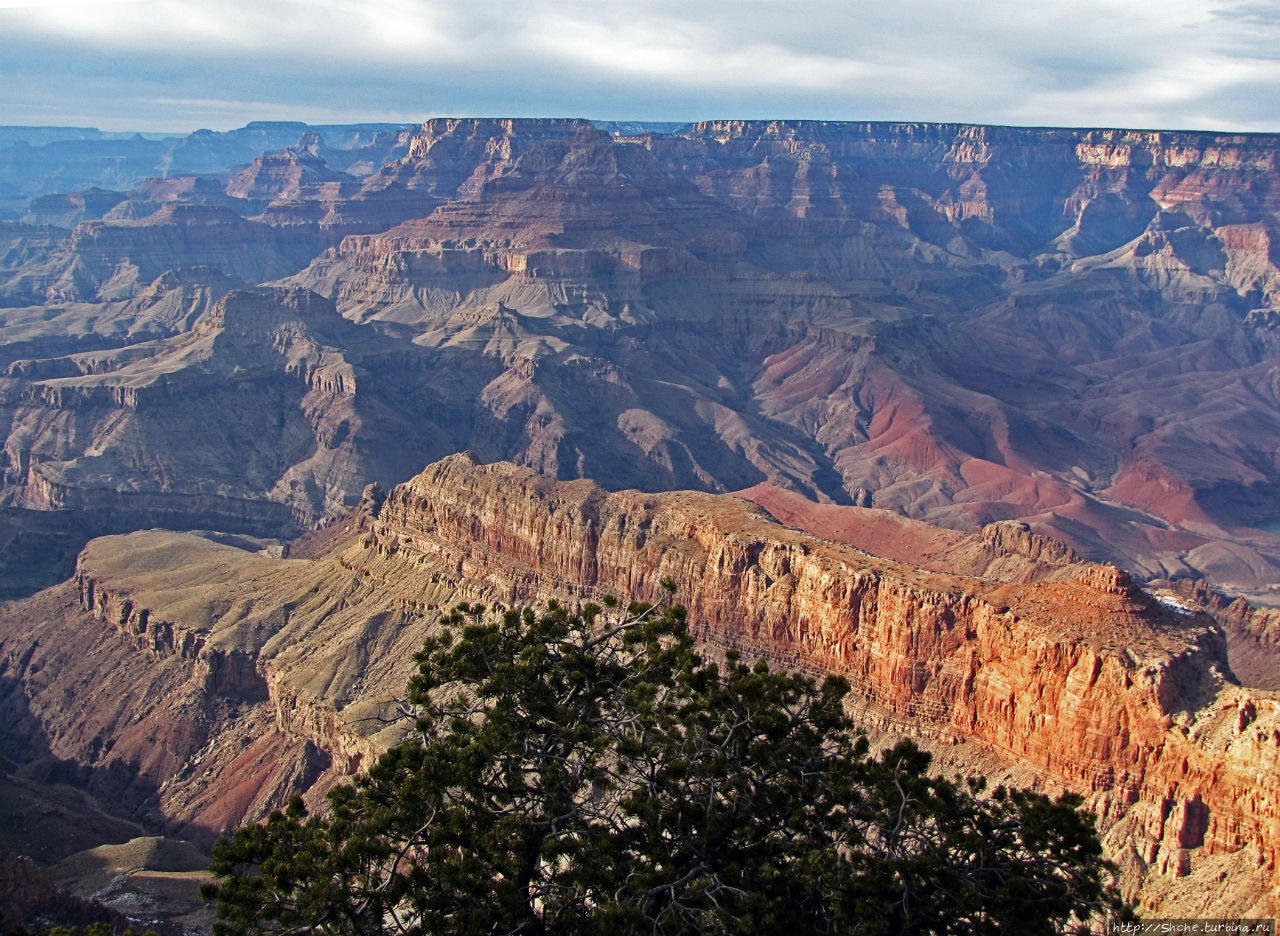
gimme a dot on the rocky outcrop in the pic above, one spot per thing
(271, 358)
(225, 672)
(145, 689)
(110, 258)
(1012, 538)
(287, 174)
(1253, 633)
(47, 161)
(116, 509)
(1006, 551)
(456, 156)
(68, 210)
(157, 636)
(303, 716)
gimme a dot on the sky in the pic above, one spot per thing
(180, 65)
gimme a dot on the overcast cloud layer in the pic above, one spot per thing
(183, 64)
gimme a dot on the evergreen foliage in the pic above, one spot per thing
(586, 772)
(92, 929)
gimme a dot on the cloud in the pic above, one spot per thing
(58, 4)
(1250, 13)
(1113, 62)
(230, 111)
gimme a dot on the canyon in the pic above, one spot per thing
(199, 683)
(1073, 328)
(1000, 407)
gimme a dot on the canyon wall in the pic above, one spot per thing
(1097, 684)
(961, 324)
(260, 676)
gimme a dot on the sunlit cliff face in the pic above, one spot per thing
(1003, 652)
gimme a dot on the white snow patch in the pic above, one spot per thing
(1176, 604)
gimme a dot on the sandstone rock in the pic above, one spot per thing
(285, 175)
(1079, 679)
(1087, 679)
(966, 325)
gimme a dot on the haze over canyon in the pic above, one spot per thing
(1007, 401)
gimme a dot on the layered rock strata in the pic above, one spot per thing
(223, 680)
(1101, 687)
(962, 324)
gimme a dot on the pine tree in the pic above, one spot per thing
(587, 772)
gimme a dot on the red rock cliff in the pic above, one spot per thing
(1093, 683)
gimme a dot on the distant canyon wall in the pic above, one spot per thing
(729, 303)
